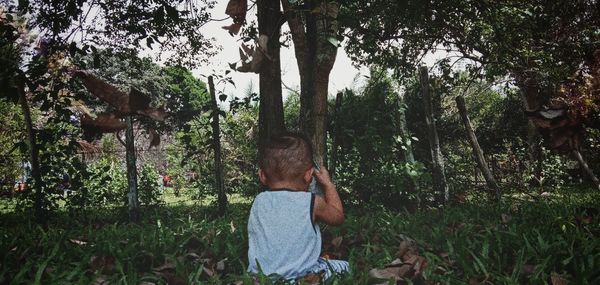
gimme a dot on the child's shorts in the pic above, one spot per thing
(331, 266)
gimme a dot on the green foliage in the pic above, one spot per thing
(10, 135)
(371, 167)
(149, 192)
(107, 184)
(514, 242)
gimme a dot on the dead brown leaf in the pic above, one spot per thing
(558, 279)
(407, 247)
(336, 242)
(310, 278)
(100, 280)
(233, 29)
(237, 10)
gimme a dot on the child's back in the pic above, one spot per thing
(282, 236)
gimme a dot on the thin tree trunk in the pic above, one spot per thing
(216, 132)
(439, 177)
(407, 151)
(33, 154)
(339, 98)
(477, 152)
(132, 194)
(587, 169)
(530, 94)
(270, 119)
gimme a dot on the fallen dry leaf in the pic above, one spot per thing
(100, 280)
(473, 281)
(336, 242)
(310, 278)
(558, 279)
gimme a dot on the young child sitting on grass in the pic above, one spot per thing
(283, 227)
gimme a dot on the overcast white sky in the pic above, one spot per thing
(342, 74)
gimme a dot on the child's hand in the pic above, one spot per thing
(323, 177)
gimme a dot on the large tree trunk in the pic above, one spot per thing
(216, 143)
(132, 194)
(440, 186)
(270, 119)
(477, 152)
(407, 151)
(33, 154)
(315, 55)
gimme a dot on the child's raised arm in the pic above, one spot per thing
(327, 209)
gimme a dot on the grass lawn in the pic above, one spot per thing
(520, 241)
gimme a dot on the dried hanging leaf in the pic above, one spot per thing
(257, 54)
(233, 29)
(237, 10)
(158, 114)
(104, 91)
(104, 122)
(133, 103)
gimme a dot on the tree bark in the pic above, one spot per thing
(38, 202)
(132, 194)
(586, 168)
(439, 177)
(407, 151)
(339, 98)
(477, 152)
(312, 33)
(270, 119)
(216, 143)
(530, 94)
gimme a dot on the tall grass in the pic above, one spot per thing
(514, 242)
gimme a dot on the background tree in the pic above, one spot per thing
(538, 45)
(314, 29)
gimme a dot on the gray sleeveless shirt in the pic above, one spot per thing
(282, 238)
